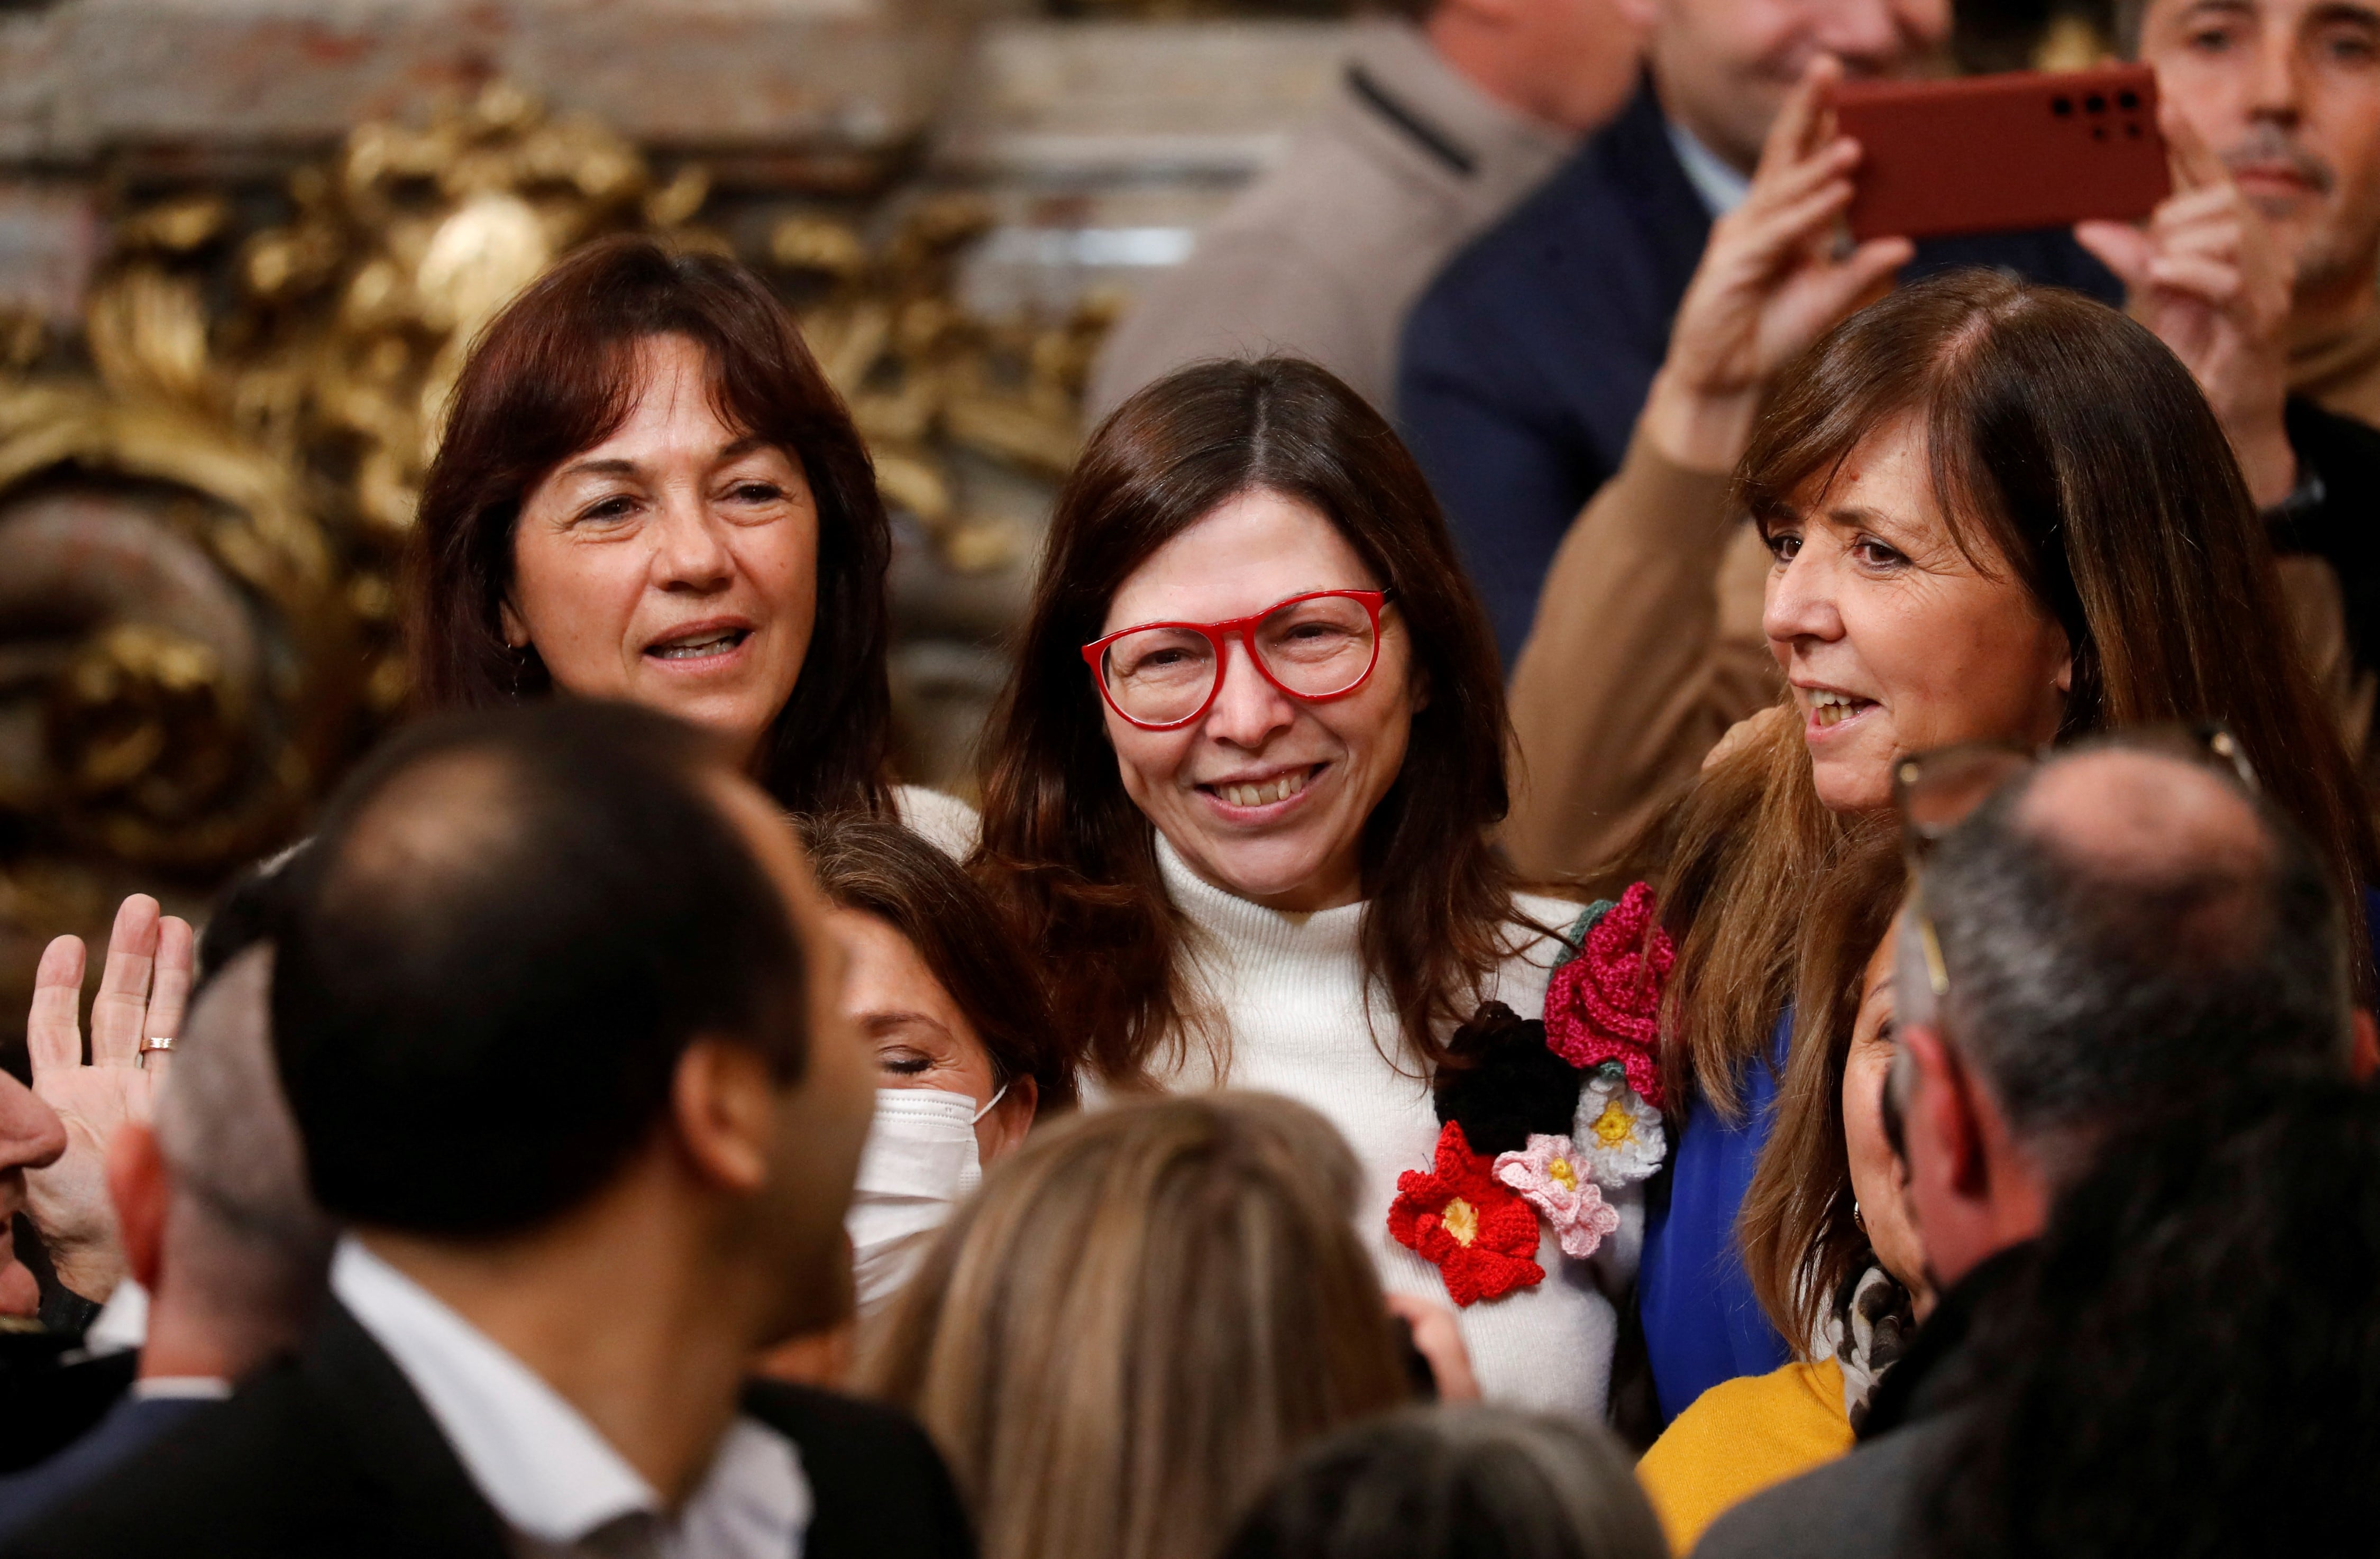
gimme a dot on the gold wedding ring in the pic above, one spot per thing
(154, 1043)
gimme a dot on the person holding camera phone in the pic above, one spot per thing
(2260, 273)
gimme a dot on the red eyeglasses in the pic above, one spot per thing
(1160, 676)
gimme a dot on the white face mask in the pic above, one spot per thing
(920, 1164)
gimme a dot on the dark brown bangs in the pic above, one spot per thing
(1854, 384)
(1064, 847)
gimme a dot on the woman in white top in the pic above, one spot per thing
(1241, 794)
(647, 490)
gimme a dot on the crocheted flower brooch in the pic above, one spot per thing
(1605, 1004)
(1541, 1118)
(1550, 1176)
(1478, 1233)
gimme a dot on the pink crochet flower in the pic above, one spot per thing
(1605, 1004)
(1549, 1178)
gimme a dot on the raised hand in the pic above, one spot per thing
(142, 994)
(2207, 274)
(1771, 283)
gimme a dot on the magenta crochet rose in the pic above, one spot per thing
(1605, 1004)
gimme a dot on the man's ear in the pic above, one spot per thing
(142, 1188)
(723, 1105)
(1943, 1137)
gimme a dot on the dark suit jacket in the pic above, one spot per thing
(128, 1428)
(1870, 1505)
(333, 1453)
(1525, 363)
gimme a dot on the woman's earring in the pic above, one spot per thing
(1857, 1217)
(520, 655)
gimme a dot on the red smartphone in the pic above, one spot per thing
(2004, 153)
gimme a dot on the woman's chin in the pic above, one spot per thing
(1853, 783)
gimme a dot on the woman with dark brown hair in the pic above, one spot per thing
(967, 1054)
(1240, 796)
(647, 489)
(1998, 513)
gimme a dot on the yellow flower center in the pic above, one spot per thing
(1615, 1125)
(1462, 1221)
(1561, 1174)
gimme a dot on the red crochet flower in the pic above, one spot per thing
(1477, 1232)
(1605, 1004)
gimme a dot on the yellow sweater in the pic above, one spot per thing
(1737, 1439)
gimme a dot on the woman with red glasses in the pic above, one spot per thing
(1240, 794)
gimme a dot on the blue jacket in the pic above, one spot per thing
(1525, 363)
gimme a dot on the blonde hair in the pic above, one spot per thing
(1144, 1314)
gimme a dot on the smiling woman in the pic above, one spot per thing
(1240, 794)
(647, 490)
(1996, 513)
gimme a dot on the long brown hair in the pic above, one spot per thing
(2066, 440)
(878, 867)
(1799, 1236)
(1145, 1312)
(555, 373)
(1064, 845)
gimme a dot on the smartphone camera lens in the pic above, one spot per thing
(2128, 100)
(2095, 103)
(2062, 106)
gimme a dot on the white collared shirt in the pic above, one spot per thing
(1714, 179)
(555, 1482)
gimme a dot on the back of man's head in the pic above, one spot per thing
(509, 930)
(245, 1252)
(2125, 933)
(2192, 1365)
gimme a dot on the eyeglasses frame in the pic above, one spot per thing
(1221, 635)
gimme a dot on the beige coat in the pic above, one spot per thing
(1323, 256)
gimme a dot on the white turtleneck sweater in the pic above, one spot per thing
(1291, 991)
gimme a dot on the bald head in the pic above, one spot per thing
(2125, 933)
(507, 930)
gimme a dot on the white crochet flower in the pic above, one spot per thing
(1617, 1136)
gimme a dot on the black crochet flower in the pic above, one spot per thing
(1501, 1084)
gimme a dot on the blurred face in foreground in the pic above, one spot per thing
(30, 1137)
(1875, 1169)
(1724, 67)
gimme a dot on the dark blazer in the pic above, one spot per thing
(333, 1453)
(1525, 363)
(128, 1428)
(1869, 1505)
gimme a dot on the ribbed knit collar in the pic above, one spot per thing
(1240, 926)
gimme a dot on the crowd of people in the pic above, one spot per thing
(1649, 882)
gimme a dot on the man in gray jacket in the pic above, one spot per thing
(1443, 118)
(2106, 940)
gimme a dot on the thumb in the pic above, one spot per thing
(2123, 248)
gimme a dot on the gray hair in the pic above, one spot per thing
(242, 1217)
(2100, 979)
(1430, 1481)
